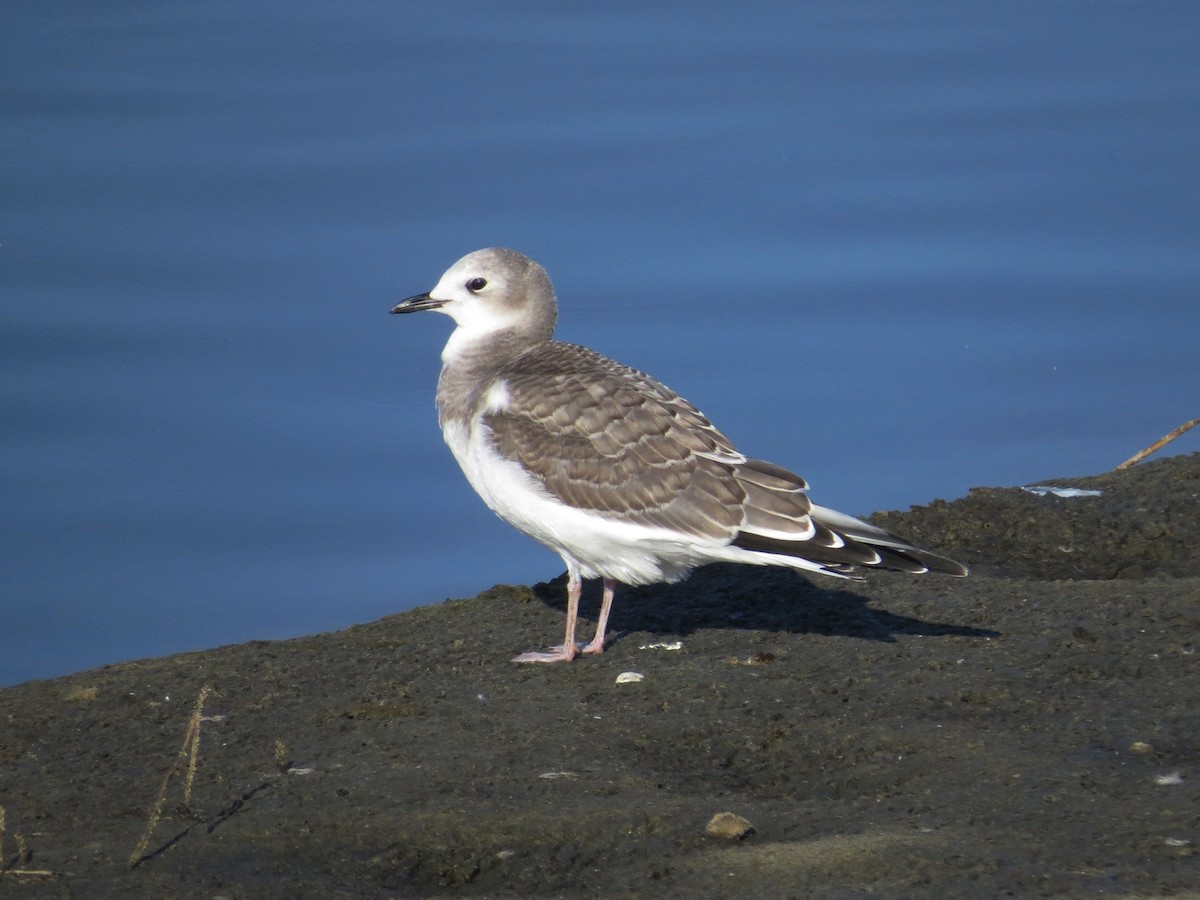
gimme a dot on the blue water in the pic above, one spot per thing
(904, 249)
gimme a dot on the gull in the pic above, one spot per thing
(618, 474)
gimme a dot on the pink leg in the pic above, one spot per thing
(566, 652)
(597, 644)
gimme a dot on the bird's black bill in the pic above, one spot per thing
(417, 303)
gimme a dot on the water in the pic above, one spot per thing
(905, 249)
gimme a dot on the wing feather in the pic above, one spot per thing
(607, 438)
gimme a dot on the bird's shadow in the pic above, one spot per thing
(724, 596)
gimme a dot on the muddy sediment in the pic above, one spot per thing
(1031, 730)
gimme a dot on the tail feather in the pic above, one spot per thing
(838, 543)
(885, 541)
(849, 554)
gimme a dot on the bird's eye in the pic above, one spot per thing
(475, 285)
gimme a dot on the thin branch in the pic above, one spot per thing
(189, 749)
(1158, 445)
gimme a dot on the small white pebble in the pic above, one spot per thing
(1169, 779)
(1178, 842)
(662, 645)
(552, 775)
(304, 771)
(627, 677)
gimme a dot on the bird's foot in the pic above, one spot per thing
(593, 649)
(559, 653)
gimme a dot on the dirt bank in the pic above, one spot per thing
(1033, 729)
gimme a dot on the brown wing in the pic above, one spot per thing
(605, 437)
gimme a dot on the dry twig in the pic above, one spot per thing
(23, 855)
(189, 750)
(1158, 445)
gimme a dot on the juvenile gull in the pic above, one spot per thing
(612, 470)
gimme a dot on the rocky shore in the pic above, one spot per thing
(1033, 730)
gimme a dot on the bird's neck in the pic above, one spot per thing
(470, 363)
